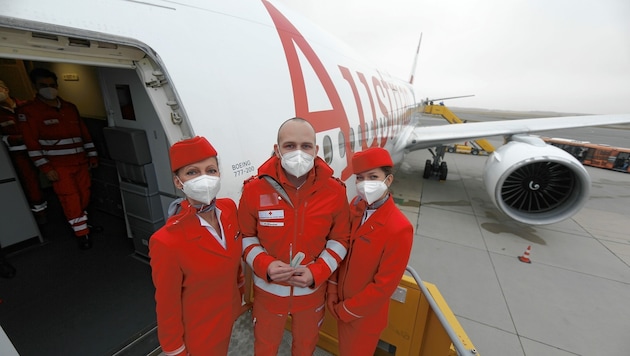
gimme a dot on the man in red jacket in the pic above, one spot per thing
(60, 145)
(294, 219)
(11, 130)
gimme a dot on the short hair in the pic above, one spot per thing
(294, 119)
(41, 73)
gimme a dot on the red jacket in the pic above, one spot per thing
(378, 256)
(317, 224)
(10, 128)
(196, 281)
(56, 136)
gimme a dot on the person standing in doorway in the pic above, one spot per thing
(381, 239)
(294, 219)
(60, 145)
(11, 130)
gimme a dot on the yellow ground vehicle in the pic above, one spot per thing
(459, 148)
(437, 166)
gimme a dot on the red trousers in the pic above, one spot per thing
(29, 177)
(355, 340)
(269, 329)
(73, 191)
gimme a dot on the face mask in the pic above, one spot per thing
(202, 189)
(297, 163)
(48, 93)
(371, 190)
(3, 96)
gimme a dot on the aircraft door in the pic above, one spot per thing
(136, 142)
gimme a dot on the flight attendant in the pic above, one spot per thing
(196, 258)
(358, 295)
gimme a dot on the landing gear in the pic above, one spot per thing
(437, 167)
(428, 168)
(443, 171)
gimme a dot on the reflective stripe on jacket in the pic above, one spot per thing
(57, 136)
(316, 222)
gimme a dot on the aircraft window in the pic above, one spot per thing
(359, 134)
(328, 151)
(342, 145)
(126, 105)
(352, 140)
(373, 131)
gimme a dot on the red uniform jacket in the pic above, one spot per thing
(378, 256)
(317, 223)
(196, 281)
(10, 128)
(57, 136)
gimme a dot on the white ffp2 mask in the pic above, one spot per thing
(371, 190)
(202, 189)
(48, 93)
(297, 162)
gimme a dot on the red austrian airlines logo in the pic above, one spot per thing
(336, 118)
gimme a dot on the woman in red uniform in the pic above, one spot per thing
(196, 258)
(358, 296)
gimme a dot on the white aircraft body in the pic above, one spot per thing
(233, 71)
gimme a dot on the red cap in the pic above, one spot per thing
(189, 151)
(371, 158)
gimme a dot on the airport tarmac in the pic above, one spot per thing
(573, 299)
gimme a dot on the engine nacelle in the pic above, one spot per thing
(535, 183)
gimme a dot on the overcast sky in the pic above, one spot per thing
(541, 55)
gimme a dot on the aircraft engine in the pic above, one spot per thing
(535, 183)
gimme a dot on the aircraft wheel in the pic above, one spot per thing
(443, 171)
(427, 169)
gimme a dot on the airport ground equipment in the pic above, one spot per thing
(438, 167)
(420, 324)
(465, 149)
(593, 154)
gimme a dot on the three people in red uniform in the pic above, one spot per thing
(294, 219)
(60, 145)
(381, 240)
(196, 258)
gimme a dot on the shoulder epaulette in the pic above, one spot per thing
(252, 178)
(340, 182)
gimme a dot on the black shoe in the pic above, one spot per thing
(7, 270)
(84, 242)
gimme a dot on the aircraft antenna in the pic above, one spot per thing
(415, 60)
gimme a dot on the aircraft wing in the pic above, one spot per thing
(431, 136)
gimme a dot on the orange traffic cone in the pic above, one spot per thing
(525, 257)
